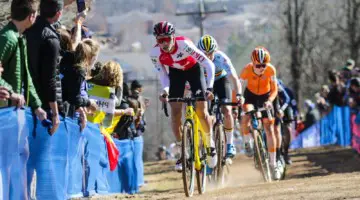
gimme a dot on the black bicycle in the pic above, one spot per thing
(261, 155)
(222, 169)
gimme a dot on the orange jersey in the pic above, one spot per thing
(260, 84)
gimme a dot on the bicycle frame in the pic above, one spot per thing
(191, 115)
(256, 122)
(195, 161)
(218, 113)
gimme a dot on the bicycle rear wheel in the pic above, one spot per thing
(201, 175)
(283, 152)
(262, 157)
(221, 153)
(187, 156)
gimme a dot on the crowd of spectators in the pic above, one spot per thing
(48, 67)
(343, 90)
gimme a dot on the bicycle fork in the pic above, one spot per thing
(197, 129)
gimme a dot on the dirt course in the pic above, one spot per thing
(319, 173)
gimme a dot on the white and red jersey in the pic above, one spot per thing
(184, 56)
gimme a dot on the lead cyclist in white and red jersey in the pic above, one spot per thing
(184, 62)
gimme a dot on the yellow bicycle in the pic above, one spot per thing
(193, 150)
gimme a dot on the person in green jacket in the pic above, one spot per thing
(13, 56)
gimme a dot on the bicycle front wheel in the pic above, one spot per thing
(262, 157)
(187, 156)
(201, 174)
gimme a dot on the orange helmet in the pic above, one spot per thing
(260, 55)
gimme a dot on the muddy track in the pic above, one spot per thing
(320, 173)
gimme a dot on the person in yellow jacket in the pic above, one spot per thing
(103, 88)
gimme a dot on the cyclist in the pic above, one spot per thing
(224, 71)
(281, 107)
(180, 57)
(261, 90)
(290, 115)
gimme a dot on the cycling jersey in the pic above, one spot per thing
(223, 65)
(223, 69)
(184, 57)
(260, 84)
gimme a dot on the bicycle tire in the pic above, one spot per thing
(261, 157)
(221, 153)
(188, 164)
(201, 175)
(283, 152)
(265, 156)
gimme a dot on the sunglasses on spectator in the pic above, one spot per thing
(260, 66)
(164, 39)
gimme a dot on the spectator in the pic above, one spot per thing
(96, 69)
(75, 73)
(354, 100)
(312, 114)
(111, 76)
(300, 126)
(82, 30)
(13, 56)
(346, 71)
(322, 104)
(70, 40)
(336, 95)
(136, 90)
(324, 92)
(44, 55)
(123, 129)
(105, 75)
(356, 72)
(4, 93)
(163, 153)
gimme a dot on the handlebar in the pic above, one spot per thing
(187, 100)
(268, 111)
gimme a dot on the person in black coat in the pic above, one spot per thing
(44, 58)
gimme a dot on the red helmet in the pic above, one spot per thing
(163, 28)
(260, 55)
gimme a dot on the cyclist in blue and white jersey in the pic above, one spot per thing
(224, 73)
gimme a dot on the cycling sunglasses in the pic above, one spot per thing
(260, 66)
(162, 40)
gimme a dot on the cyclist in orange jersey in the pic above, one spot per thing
(259, 76)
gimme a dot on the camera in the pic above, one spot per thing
(81, 6)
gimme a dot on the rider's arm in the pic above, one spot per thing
(164, 77)
(205, 62)
(293, 102)
(284, 95)
(244, 77)
(230, 70)
(273, 85)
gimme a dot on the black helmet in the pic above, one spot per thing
(163, 28)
